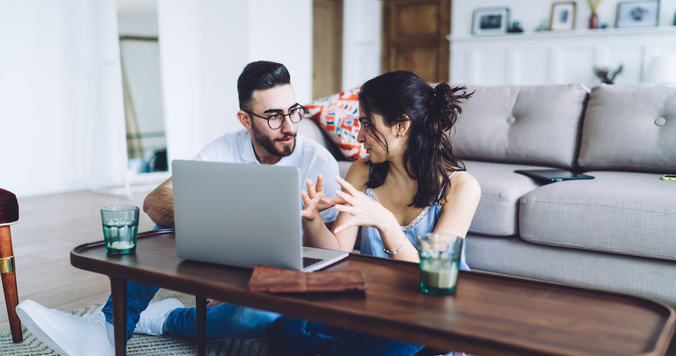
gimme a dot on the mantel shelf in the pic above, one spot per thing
(555, 35)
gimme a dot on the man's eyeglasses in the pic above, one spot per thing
(276, 119)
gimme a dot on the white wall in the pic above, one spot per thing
(204, 45)
(531, 12)
(60, 84)
(362, 41)
(281, 31)
(137, 17)
(61, 116)
(559, 58)
(537, 58)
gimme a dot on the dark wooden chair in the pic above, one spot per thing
(9, 214)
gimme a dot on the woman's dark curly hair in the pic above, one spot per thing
(399, 96)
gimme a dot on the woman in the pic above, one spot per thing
(409, 185)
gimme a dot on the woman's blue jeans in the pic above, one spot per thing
(301, 337)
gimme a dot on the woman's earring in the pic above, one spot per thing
(399, 134)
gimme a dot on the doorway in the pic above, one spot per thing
(142, 86)
(414, 37)
(327, 47)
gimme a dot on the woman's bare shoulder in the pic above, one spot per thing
(462, 182)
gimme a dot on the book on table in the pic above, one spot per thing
(279, 280)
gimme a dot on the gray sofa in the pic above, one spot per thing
(617, 231)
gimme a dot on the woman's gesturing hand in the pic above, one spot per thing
(360, 210)
(315, 200)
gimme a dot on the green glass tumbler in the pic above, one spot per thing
(120, 228)
(439, 262)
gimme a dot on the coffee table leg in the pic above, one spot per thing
(201, 304)
(118, 289)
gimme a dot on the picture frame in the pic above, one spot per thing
(489, 21)
(563, 16)
(640, 13)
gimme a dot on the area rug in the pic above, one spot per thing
(144, 345)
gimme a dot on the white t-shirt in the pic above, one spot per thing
(309, 157)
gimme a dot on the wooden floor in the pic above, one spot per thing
(49, 227)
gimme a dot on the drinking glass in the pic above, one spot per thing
(439, 262)
(120, 228)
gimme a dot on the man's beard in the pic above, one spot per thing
(269, 144)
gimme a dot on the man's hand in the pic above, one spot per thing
(315, 200)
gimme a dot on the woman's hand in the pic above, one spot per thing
(361, 210)
(315, 200)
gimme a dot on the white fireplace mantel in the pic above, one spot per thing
(558, 57)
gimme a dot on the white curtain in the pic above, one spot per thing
(61, 108)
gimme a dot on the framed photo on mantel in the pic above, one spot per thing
(637, 13)
(563, 16)
(490, 21)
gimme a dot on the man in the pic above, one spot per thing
(270, 113)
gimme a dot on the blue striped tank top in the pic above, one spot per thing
(372, 244)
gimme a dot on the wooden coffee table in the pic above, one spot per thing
(490, 313)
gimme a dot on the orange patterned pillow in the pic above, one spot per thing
(338, 116)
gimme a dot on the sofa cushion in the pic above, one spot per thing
(501, 189)
(647, 277)
(338, 116)
(521, 124)
(619, 212)
(630, 128)
(309, 129)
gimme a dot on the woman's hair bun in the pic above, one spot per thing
(445, 105)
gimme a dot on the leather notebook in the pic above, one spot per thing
(279, 280)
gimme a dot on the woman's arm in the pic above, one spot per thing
(461, 202)
(315, 232)
(361, 210)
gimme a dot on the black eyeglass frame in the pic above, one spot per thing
(297, 106)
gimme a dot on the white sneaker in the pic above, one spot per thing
(65, 333)
(152, 319)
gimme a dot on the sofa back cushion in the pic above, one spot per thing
(521, 124)
(630, 128)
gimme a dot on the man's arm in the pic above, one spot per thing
(159, 204)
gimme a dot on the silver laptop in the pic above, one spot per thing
(242, 215)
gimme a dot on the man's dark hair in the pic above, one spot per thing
(260, 75)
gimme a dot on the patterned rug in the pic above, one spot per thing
(144, 345)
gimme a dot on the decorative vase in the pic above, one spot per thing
(594, 20)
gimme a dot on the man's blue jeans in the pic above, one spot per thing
(223, 320)
(288, 335)
(138, 297)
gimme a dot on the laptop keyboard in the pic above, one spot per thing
(307, 261)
